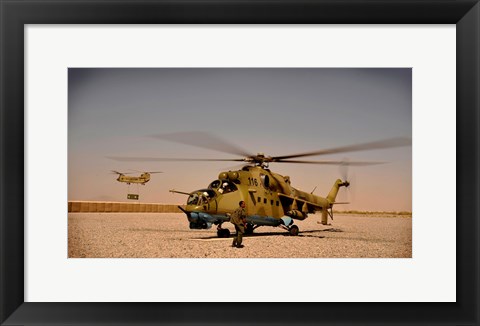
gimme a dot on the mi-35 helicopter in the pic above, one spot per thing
(143, 178)
(270, 198)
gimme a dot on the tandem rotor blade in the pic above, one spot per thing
(151, 172)
(120, 173)
(387, 143)
(205, 140)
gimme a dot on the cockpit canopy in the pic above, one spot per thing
(223, 186)
(201, 197)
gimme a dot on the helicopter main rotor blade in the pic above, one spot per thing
(237, 167)
(341, 163)
(169, 159)
(205, 140)
(387, 143)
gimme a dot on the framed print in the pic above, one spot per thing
(82, 57)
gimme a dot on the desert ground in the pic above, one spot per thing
(167, 235)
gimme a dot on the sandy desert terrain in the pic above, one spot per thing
(167, 235)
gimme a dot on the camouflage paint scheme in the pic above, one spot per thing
(270, 200)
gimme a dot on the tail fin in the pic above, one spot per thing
(332, 195)
(334, 191)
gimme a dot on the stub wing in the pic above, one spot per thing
(288, 200)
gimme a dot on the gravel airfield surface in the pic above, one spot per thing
(167, 235)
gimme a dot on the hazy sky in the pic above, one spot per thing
(278, 111)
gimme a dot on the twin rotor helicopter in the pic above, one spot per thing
(143, 178)
(270, 198)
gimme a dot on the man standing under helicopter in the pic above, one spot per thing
(239, 219)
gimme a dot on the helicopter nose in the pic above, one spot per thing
(194, 208)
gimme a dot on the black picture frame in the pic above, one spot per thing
(15, 14)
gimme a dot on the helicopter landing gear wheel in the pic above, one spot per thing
(249, 229)
(293, 230)
(223, 233)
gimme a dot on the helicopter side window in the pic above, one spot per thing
(227, 187)
(215, 184)
(203, 200)
(193, 199)
(265, 180)
(207, 195)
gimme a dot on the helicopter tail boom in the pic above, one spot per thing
(332, 195)
(334, 191)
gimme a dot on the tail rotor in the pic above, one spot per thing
(349, 178)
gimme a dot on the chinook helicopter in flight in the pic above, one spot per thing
(142, 179)
(270, 198)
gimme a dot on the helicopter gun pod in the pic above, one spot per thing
(269, 197)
